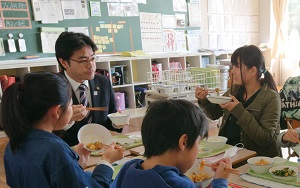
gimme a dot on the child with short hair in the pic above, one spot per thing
(171, 133)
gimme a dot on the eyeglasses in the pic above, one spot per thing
(87, 61)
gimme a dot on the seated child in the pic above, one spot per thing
(171, 133)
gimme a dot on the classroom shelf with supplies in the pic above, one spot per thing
(128, 75)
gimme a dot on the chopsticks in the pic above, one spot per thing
(117, 147)
(97, 108)
(230, 170)
(290, 127)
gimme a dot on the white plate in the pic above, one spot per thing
(124, 141)
(93, 132)
(218, 99)
(287, 178)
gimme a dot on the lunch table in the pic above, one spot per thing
(239, 159)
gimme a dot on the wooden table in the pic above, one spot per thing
(240, 157)
(237, 180)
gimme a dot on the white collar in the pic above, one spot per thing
(75, 84)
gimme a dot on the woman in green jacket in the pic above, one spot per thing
(253, 115)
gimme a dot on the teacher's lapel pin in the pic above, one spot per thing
(95, 92)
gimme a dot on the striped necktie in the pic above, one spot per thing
(83, 100)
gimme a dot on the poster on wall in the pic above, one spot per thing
(95, 8)
(152, 42)
(74, 9)
(150, 22)
(169, 40)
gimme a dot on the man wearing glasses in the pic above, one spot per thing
(75, 53)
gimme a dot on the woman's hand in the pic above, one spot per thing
(79, 112)
(291, 136)
(113, 153)
(219, 166)
(200, 92)
(83, 154)
(230, 105)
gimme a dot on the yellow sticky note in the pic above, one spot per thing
(114, 26)
(115, 31)
(102, 25)
(109, 30)
(111, 40)
(103, 47)
(97, 28)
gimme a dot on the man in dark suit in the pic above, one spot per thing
(75, 53)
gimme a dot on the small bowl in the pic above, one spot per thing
(285, 178)
(91, 133)
(119, 119)
(279, 161)
(260, 169)
(218, 99)
(207, 170)
(216, 142)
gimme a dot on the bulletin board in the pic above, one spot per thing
(127, 37)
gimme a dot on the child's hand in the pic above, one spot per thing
(230, 105)
(218, 168)
(112, 153)
(83, 154)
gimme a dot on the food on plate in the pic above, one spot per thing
(199, 177)
(202, 163)
(95, 146)
(285, 172)
(261, 162)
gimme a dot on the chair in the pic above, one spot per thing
(290, 111)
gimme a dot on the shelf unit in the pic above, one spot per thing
(135, 68)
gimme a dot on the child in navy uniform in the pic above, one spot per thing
(171, 133)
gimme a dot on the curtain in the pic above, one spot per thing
(279, 9)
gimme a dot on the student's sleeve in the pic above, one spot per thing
(74, 176)
(219, 183)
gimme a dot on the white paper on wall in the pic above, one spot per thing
(74, 9)
(84, 30)
(180, 41)
(131, 9)
(179, 5)
(36, 10)
(150, 22)
(152, 42)
(168, 21)
(47, 7)
(115, 9)
(194, 14)
(169, 40)
(193, 40)
(48, 41)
